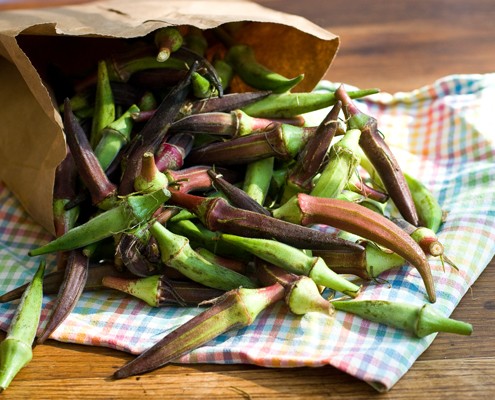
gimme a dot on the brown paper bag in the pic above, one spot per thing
(31, 137)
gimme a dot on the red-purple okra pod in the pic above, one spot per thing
(310, 159)
(153, 132)
(282, 141)
(233, 124)
(103, 191)
(381, 156)
(359, 220)
(218, 215)
(171, 153)
(76, 274)
(238, 197)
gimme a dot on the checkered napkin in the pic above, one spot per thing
(441, 133)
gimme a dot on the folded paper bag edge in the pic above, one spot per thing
(315, 50)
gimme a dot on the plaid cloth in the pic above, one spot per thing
(441, 134)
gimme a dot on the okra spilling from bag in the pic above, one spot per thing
(192, 194)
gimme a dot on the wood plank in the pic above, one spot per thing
(401, 46)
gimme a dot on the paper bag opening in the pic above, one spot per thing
(40, 48)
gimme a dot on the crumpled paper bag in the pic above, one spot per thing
(32, 142)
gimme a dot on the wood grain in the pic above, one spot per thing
(396, 46)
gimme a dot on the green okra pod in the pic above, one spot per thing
(235, 264)
(255, 74)
(114, 137)
(131, 211)
(288, 105)
(294, 260)
(167, 40)
(342, 164)
(430, 212)
(16, 349)
(195, 41)
(205, 66)
(225, 72)
(302, 295)
(257, 179)
(420, 320)
(147, 102)
(203, 237)
(202, 87)
(104, 107)
(177, 253)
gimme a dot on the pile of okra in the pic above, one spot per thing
(181, 192)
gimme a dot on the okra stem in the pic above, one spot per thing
(255, 74)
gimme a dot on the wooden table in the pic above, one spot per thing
(396, 46)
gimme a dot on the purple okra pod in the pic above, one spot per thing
(310, 159)
(380, 155)
(76, 274)
(218, 215)
(103, 191)
(153, 133)
(282, 141)
(238, 197)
